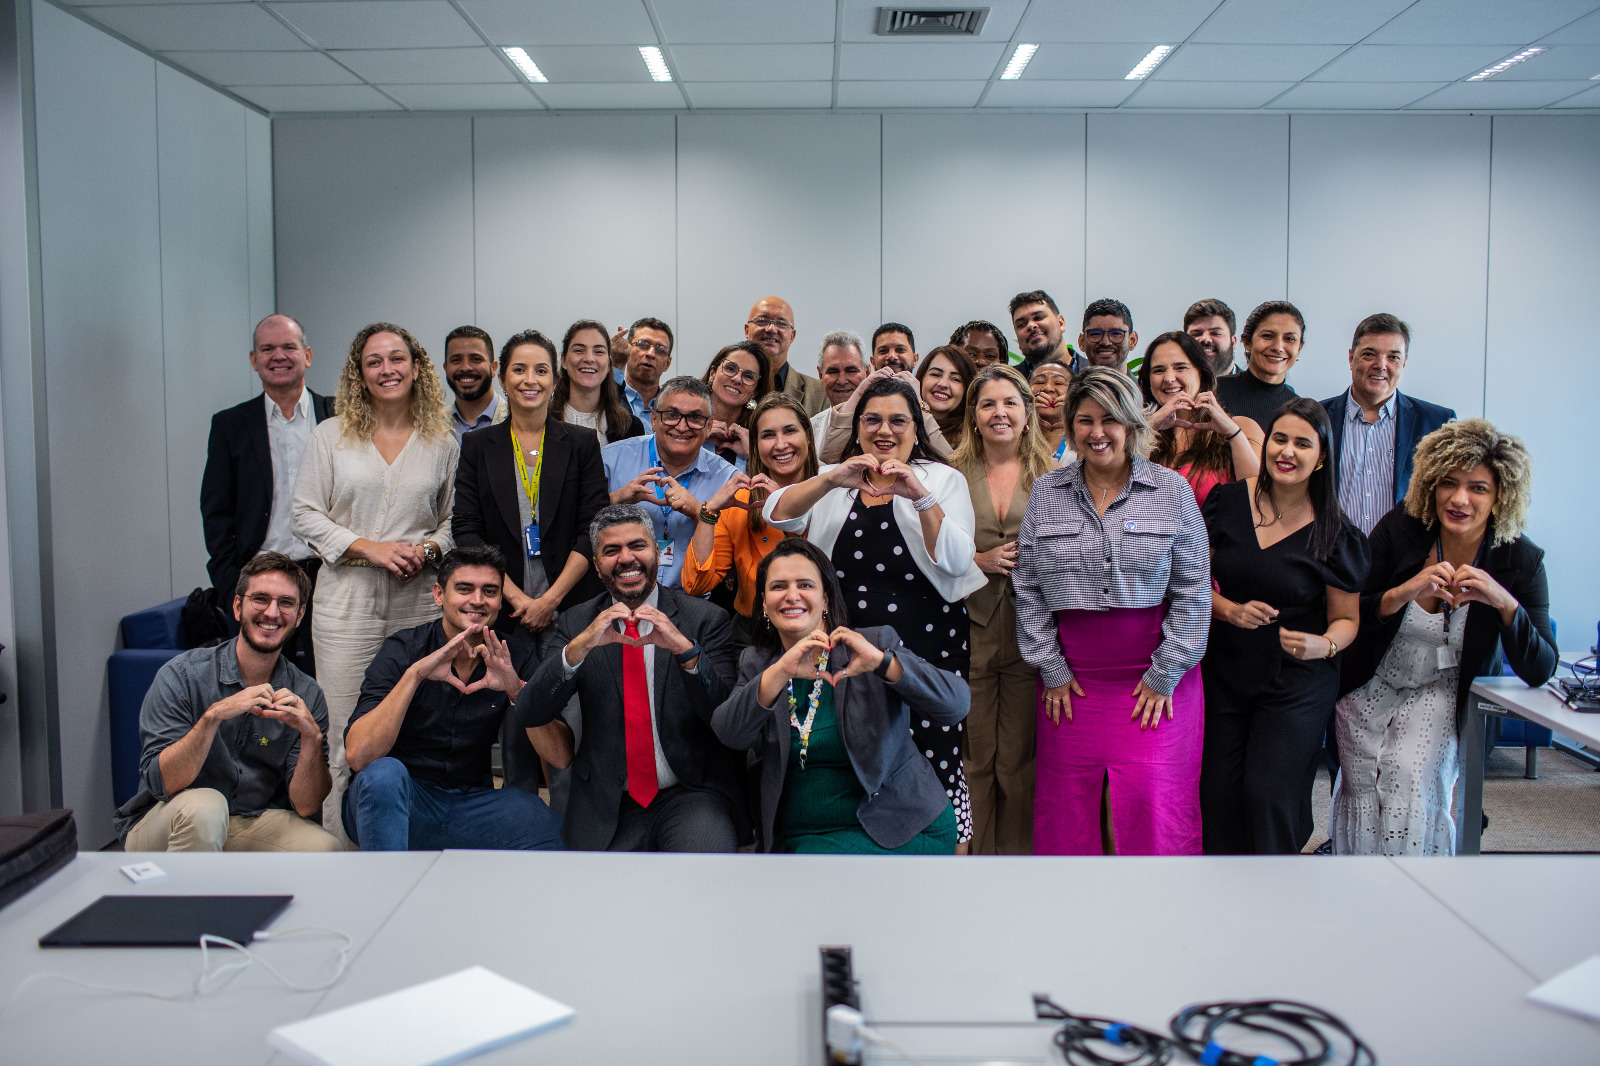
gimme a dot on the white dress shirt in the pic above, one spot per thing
(286, 440)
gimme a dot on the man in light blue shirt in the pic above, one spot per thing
(667, 472)
(469, 371)
(649, 355)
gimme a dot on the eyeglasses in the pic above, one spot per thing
(261, 601)
(731, 369)
(763, 322)
(897, 423)
(1116, 336)
(671, 416)
(642, 347)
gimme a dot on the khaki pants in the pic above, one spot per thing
(197, 819)
(998, 756)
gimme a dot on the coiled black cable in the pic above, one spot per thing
(1081, 1039)
(1317, 1037)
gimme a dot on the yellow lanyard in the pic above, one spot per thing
(530, 485)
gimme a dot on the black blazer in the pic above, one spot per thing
(572, 489)
(683, 706)
(1402, 546)
(904, 794)
(1413, 420)
(236, 488)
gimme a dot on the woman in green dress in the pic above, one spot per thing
(829, 709)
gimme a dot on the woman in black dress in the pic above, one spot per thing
(1288, 568)
(897, 523)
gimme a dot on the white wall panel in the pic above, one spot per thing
(373, 221)
(776, 205)
(1185, 207)
(1544, 227)
(258, 195)
(1391, 213)
(100, 245)
(574, 219)
(965, 227)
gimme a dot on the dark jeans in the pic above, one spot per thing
(386, 809)
(678, 819)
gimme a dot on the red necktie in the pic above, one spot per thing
(638, 737)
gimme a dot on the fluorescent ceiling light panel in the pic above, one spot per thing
(655, 62)
(1019, 62)
(524, 62)
(1149, 62)
(1506, 64)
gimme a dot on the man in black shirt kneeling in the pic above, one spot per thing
(430, 709)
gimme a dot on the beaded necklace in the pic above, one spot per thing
(811, 710)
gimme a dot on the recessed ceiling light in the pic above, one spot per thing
(1148, 63)
(524, 62)
(1019, 62)
(1506, 64)
(656, 62)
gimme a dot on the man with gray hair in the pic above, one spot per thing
(648, 773)
(843, 370)
(669, 471)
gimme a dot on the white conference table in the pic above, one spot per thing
(713, 959)
(1508, 696)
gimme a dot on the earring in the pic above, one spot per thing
(1319, 467)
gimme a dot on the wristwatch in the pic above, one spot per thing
(882, 669)
(709, 517)
(684, 657)
(1333, 649)
(430, 552)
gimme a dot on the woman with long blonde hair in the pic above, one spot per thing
(373, 500)
(1002, 452)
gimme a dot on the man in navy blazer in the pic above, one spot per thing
(251, 461)
(1375, 426)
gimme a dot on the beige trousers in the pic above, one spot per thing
(998, 755)
(197, 819)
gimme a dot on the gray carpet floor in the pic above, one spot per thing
(1560, 812)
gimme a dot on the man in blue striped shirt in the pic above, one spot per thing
(1376, 427)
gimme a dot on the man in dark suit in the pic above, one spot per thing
(251, 461)
(649, 665)
(1375, 426)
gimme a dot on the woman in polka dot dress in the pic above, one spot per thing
(897, 522)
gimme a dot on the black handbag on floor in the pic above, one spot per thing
(32, 847)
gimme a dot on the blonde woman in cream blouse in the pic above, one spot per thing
(373, 499)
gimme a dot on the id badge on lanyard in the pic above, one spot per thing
(664, 541)
(530, 539)
(530, 488)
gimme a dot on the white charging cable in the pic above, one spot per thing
(847, 1031)
(211, 977)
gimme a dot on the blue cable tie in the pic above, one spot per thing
(1212, 1054)
(1262, 1060)
(1113, 1033)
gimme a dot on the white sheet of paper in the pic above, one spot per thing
(440, 1021)
(1574, 991)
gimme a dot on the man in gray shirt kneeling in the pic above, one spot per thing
(233, 756)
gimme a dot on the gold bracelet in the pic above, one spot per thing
(1333, 648)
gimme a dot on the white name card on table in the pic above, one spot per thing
(441, 1021)
(1574, 991)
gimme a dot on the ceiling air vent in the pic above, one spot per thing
(934, 22)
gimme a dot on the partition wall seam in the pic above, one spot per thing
(1084, 296)
(883, 315)
(161, 297)
(677, 231)
(1288, 199)
(472, 200)
(1488, 265)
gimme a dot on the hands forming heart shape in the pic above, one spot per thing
(808, 658)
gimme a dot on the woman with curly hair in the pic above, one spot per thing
(1455, 589)
(373, 500)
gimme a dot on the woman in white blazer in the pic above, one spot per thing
(897, 523)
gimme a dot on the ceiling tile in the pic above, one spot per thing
(264, 68)
(745, 21)
(1411, 62)
(810, 94)
(1085, 62)
(427, 66)
(1167, 21)
(1206, 94)
(916, 60)
(1471, 95)
(585, 64)
(1584, 31)
(910, 93)
(1355, 96)
(380, 23)
(511, 22)
(280, 98)
(651, 94)
(1027, 93)
(860, 21)
(464, 97)
(1480, 21)
(142, 3)
(754, 62)
(1293, 22)
(1245, 62)
(209, 27)
(1573, 62)
(1589, 98)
